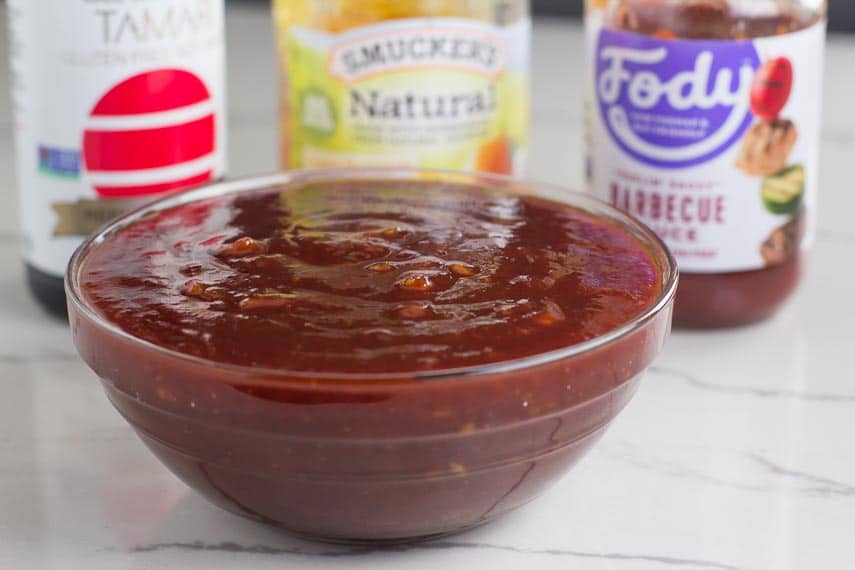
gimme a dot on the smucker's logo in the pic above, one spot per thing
(419, 46)
(674, 104)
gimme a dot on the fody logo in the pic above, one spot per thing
(389, 48)
(672, 103)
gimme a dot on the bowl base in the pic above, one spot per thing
(389, 543)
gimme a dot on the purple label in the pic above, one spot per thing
(674, 103)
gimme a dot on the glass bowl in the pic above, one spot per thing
(372, 457)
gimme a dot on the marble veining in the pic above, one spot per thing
(741, 391)
(812, 484)
(438, 545)
(807, 484)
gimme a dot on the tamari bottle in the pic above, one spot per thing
(115, 103)
(704, 123)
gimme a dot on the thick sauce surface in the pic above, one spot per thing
(370, 277)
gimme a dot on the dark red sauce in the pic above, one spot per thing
(407, 279)
(370, 278)
(708, 19)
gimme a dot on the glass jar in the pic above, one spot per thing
(417, 83)
(704, 123)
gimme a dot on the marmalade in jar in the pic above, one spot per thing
(404, 83)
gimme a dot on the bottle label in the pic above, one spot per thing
(713, 144)
(115, 103)
(428, 92)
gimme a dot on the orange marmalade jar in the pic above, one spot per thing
(704, 123)
(406, 83)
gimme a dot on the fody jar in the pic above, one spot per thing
(704, 123)
(405, 83)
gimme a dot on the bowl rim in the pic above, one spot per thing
(297, 178)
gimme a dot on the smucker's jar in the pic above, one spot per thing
(407, 83)
(704, 123)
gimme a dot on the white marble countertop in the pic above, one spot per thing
(738, 451)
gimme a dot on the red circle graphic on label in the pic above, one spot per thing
(154, 132)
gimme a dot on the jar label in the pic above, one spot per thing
(423, 92)
(713, 144)
(124, 103)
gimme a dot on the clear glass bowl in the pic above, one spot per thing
(372, 458)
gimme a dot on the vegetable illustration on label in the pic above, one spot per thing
(766, 147)
(784, 242)
(765, 151)
(771, 89)
(784, 192)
